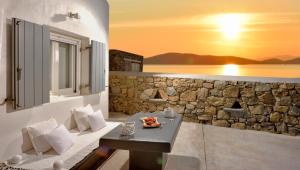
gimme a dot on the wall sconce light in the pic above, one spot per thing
(74, 15)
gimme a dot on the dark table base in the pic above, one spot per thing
(140, 160)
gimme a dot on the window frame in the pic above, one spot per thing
(76, 65)
(131, 62)
(135, 67)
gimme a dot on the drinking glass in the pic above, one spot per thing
(128, 128)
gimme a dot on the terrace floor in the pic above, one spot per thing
(205, 147)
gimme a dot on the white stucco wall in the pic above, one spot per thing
(92, 24)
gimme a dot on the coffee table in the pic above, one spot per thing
(148, 146)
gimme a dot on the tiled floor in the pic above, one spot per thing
(207, 147)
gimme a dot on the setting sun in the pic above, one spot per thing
(231, 69)
(231, 25)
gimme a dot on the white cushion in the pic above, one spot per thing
(60, 139)
(36, 133)
(96, 120)
(84, 144)
(81, 117)
(26, 144)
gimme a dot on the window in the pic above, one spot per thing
(135, 67)
(65, 65)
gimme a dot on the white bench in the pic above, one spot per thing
(85, 143)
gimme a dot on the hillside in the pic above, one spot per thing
(293, 61)
(272, 61)
(194, 59)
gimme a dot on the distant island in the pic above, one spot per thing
(194, 59)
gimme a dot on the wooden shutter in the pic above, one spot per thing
(102, 67)
(30, 64)
(46, 64)
(97, 67)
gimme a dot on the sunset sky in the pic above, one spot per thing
(256, 29)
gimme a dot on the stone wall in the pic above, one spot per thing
(272, 106)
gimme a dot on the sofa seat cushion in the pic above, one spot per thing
(84, 143)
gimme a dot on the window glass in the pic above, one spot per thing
(135, 67)
(65, 66)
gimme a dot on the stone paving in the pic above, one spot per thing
(206, 147)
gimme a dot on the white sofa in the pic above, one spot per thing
(85, 143)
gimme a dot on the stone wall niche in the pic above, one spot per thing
(158, 96)
(235, 111)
